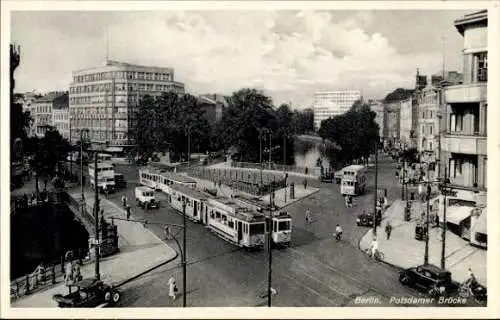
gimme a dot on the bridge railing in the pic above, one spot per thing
(315, 171)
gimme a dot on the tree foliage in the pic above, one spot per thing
(399, 94)
(164, 123)
(303, 121)
(356, 132)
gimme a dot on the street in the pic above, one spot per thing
(316, 270)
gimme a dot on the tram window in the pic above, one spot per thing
(217, 215)
(212, 214)
(284, 225)
(275, 226)
(230, 224)
(257, 228)
(224, 219)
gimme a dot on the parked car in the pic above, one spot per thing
(427, 277)
(366, 220)
(145, 198)
(90, 293)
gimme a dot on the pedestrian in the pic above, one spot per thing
(308, 216)
(128, 212)
(305, 183)
(167, 232)
(124, 201)
(374, 247)
(388, 230)
(105, 191)
(172, 288)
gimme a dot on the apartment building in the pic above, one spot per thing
(463, 144)
(60, 116)
(333, 103)
(428, 124)
(392, 126)
(408, 122)
(41, 111)
(104, 100)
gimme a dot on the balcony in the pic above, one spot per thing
(471, 92)
(466, 144)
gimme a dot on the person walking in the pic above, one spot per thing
(374, 247)
(172, 288)
(305, 183)
(308, 216)
(124, 201)
(128, 212)
(338, 232)
(388, 230)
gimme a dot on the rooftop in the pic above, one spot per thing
(113, 63)
(478, 18)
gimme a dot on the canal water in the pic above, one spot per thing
(43, 234)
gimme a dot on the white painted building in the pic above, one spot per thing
(328, 104)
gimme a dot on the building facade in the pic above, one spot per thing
(463, 144)
(333, 103)
(213, 105)
(391, 124)
(60, 116)
(42, 111)
(428, 124)
(104, 100)
(378, 108)
(407, 123)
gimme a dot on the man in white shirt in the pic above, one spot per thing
(374, 247)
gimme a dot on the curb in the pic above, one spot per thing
(289, 204)
(121, 283)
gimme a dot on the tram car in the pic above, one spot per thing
(236, 224)
(282, 221)
(178, 194)
(159, 180)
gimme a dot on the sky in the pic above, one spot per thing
(289, 54)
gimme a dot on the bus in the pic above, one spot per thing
(105, 176)
(353, 180)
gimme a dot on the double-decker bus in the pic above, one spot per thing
(353, 180)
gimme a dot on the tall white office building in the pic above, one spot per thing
(328, 104)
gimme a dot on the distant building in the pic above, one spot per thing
(392, 124)
(60, 116)
(333, 103)
(406, 123)
(42, 111)
(429, 101)
(378, 108)
(464, 142)
(213, 106)
(104, 100)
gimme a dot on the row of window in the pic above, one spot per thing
(102, 99)
(43, 109)
(131, 75)
(60, 116)
(120, 87)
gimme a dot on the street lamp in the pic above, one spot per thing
(262, 132)
(269, 222)
(71, 146)
(445, 189)
(426, 254)
(375, 202)
(83, 137)
(188, 133)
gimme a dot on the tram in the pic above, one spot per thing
(281, 221)
(195, 201)
(159, 180)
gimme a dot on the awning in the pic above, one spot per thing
(456, 215)
(481, 222)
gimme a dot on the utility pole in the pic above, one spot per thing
(376, 192)
(443, 235)
(284, 153)
(426, 254)
(71, 145)
(189, 146)
(270, 248)
(96, 216)
(270, 143)
(184, 269)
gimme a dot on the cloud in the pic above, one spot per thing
(290, 54)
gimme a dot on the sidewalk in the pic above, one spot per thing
(225, 165)
(140, 252)
(404, 251)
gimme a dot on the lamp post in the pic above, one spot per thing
(444, 189)
(188, 133)
(285, 136)
(71, 145)
(269, 221)
(183, 256)
(270, 146)
(426, 254)
(376, 192)
(96, 216)
(262, 132)
(83, 136)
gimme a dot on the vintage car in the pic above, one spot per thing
(89, 293)
(366, 220)
(428, 277)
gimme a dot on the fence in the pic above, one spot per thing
(34, 281)
(252, 182)
(315, 171)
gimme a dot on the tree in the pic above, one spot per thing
(248, 111)
(356, 132)
(399, 94)
(303, 121)
(163, 123)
